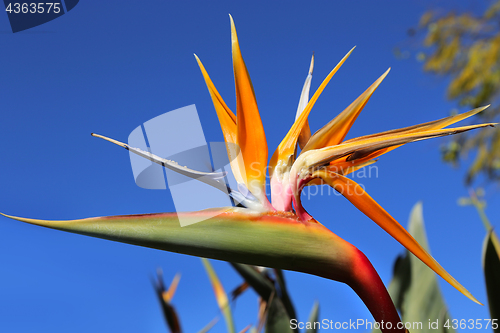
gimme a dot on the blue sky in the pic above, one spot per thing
(107, 67)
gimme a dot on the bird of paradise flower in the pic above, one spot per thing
(280, 233)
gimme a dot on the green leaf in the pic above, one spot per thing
(313, 318)
(209, 326)
(401, 280)
(245, 236)
(491, 266)
(414, 288)
(220, 296)
(278, 320)
(255, 279)
(285, 297)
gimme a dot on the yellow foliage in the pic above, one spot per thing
(466, 48)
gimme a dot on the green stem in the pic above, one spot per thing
(479, 205)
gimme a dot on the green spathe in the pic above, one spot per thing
(270, 239)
